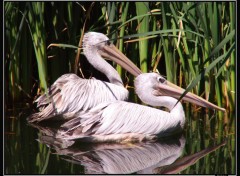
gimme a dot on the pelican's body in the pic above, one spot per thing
(121, 121)
(70, 94)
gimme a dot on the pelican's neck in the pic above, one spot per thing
(103, 66)
(176, 110)
(165, 101)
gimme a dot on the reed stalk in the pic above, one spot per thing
(124, 10)
(232, 80)
(12, 36)
(143, 26)
(37, 27)
(26, 62)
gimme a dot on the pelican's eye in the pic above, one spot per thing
(161, 79)
(108, 42)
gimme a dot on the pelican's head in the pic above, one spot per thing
(94, 40)
(98, 43)
(145, 84)
(152, 84)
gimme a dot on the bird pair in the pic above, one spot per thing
(97, 111)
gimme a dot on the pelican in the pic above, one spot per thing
(70, 94)
(121, 121)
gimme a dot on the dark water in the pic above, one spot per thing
(207, 146)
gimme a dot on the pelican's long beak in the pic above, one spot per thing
(170, 89)
(112, 53)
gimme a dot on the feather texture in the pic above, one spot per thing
(118, 118)
(68, 101)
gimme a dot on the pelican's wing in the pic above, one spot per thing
(120, 119)
(70, 95)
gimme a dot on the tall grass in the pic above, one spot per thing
(143, 26)
(12, 58)
(38, 34)
(124, 9)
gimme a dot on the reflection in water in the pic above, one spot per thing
(116, 159)
(183, 163)
(143, 158)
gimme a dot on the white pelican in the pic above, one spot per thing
(121, 121)
(70, 94)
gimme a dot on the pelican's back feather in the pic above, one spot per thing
(118, 118)
(70, 95)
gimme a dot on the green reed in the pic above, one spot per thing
(124, 8)
(143, 26)
(37, 30)
(12, 58)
